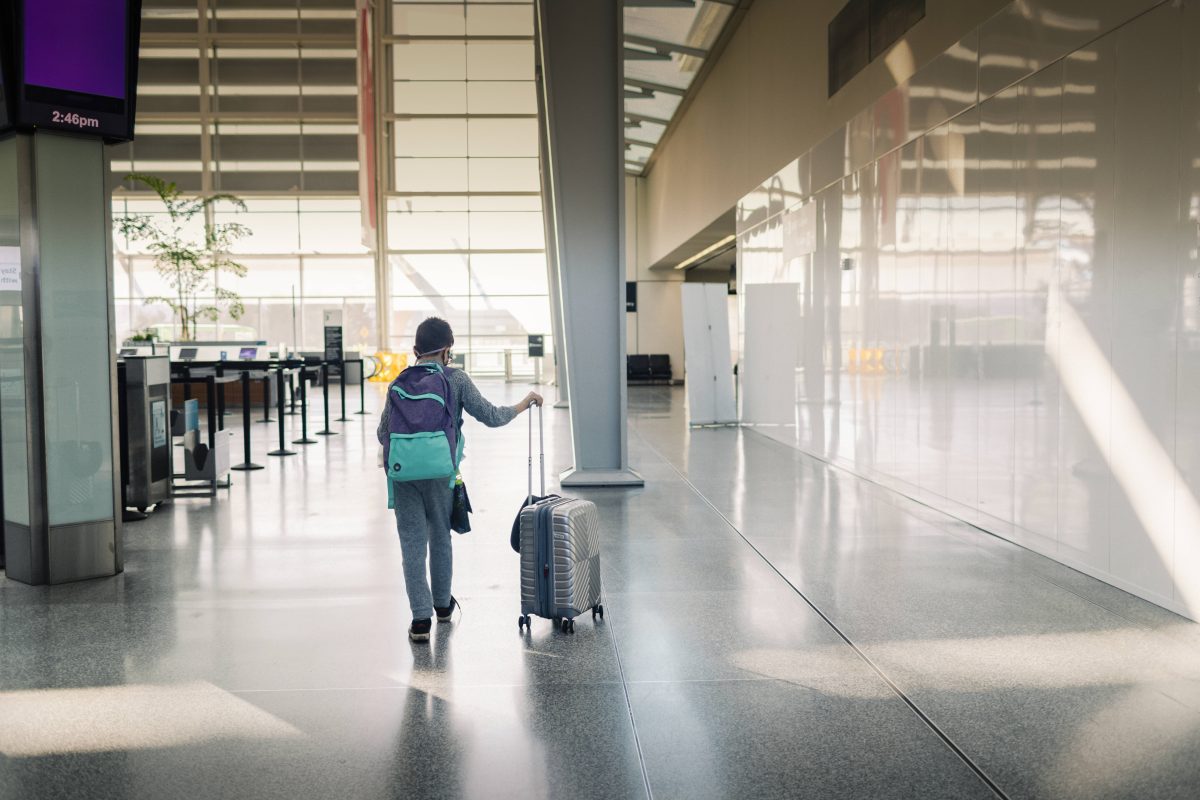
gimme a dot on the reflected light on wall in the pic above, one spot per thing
(98, 719)
(900, 62)
(1135, 458)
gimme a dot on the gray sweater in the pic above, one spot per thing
(466, 397)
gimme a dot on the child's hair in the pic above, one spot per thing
(433, 334)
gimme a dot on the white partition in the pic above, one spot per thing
(706, 353)
(771, 352)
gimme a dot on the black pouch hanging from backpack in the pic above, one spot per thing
(460, 519)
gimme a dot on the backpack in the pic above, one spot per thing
(423, 436)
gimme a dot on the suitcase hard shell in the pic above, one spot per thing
(560, 558)
(560, 554)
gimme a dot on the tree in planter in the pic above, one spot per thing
(189, 265)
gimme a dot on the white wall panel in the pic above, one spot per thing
(768, 365)
(1002, 316)
(937, 418)
(1084, 306)
(962, 301)
(1146, 310)
(1038, 167)
(1187, 435)
(998, 324)
(1028, 36)
(912, 324)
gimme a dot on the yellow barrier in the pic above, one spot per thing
(390, 365)
(865, 360)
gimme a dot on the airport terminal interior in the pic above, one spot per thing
(852, 349)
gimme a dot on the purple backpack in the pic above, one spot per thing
(424, 441)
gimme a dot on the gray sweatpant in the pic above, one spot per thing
(423, 522)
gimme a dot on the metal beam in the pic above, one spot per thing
(629, 141)
(665, 47)
(660, 4)
(632, 117)
(631, 54)
(654, 87)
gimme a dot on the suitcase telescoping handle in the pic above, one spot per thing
(541, 451)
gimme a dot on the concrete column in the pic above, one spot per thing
(57, 430)
(579, 45)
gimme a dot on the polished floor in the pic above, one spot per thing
(775, 628)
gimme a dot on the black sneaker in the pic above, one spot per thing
(444, 614)
(419, 630)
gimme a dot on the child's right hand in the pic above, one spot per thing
(531, 399)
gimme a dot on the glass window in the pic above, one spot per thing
(499, 61)
(271, 232)
(505, 175)
(431, 137)
(431, 175)
(409, 312)
(428, 19)
(428, 231)
(501, 97)
(435, 202)
(429, 274)
(494, 274)
(464, 223)
(429, 97)
(339, 277)
(507, 231)
(266, 277)
(430, 61)
(331, 232)
(499, 20)
(503, 137)
(514, 315)
(511, 202)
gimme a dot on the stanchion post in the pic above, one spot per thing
(266, 398)
(304, 438)
(325, 397)
(246, 464)
(362, 386)
(282, 451)
(342, 385)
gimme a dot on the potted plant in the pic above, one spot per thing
(189, 265)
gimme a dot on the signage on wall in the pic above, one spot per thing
(333, 336)
(72, 65)
(631, 295)
(10, 269)
(537, 345)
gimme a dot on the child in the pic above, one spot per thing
(423, 506)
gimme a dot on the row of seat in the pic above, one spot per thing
(648, 368)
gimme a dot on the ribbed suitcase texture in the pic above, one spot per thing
(560, 558)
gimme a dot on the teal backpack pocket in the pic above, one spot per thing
(419, 456)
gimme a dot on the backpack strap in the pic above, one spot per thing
(426, 396)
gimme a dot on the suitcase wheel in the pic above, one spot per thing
(523, 622)
(597, 610)
(567, 625)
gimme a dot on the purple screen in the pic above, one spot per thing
(76, 45)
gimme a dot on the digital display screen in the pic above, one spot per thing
(76, 64)
(158, 423)
(248, 353)
(187, 353)
(76, 45)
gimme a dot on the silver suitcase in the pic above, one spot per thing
(560, 554)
